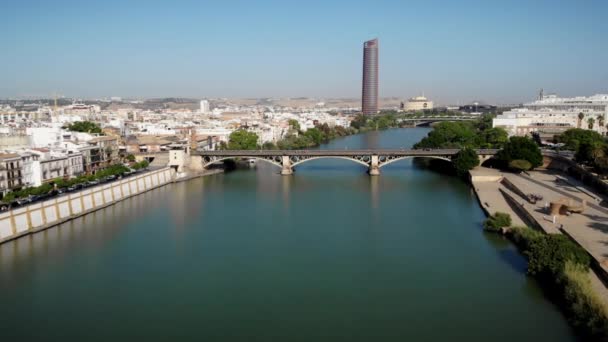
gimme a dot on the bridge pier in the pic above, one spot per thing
(374, 169)
(286, 166)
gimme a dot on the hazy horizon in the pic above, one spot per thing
(492, 51)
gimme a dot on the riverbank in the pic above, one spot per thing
(37, 217)
(501, 192)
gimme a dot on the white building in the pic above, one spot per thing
(418, 103)
(204, 106)
(551, 115)
(47, 166)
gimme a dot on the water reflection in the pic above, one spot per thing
(286, 183)
(373, 190)
(91, 232)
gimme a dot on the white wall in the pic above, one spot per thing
(40, 216)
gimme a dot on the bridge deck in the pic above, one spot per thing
(350, 153)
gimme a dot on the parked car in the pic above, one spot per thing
(23, 201)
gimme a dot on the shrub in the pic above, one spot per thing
(563, 267)
(524, 236)
(585, 310)
(497, 221)
(465, 160)
(520, 165)
(548, 255)
(520, 148)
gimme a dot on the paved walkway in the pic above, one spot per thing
(491, 199)
(589, 229)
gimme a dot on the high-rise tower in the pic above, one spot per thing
(369, 99)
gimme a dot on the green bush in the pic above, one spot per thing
(520, 165)
(520, 148)
(524, 236)
(497, 221)
(84, 126)
(563, 266)
(548, 255)
(465, 160)
(586, 310)
(141, 165)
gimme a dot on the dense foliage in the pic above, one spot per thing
(589, 147)
(242, 140)
(497, 221)
(311, 137)
(520, 148)
(84, 126)
(520, 165)
(474, 134)
(141, 165)
(60, 183)
(563, 267)
(585, 310)
(465, 160)
(575, 137)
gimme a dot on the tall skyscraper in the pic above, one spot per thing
(369, 98)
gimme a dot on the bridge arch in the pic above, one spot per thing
(390, 161)
(366, 164)
(268, 160)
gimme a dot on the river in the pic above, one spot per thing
(328, 254)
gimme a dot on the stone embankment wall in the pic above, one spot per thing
(43, 215)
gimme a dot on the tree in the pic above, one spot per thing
(600, 121)
(269, 145)
(589, 151)
(494, 137)
(449, 135)
(465, 160)
(520, 165)
(548, 255)
(497, 221)
(581, 116)
(359, 121)
(590, 123)
(294, 125)
(315, 135)
(84, 126)
(130, 158)
(520, 148)
(242, 140)
(485, 122)
(574, 137)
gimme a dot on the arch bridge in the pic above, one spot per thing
(372, 159)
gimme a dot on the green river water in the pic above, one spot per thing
(328, 254)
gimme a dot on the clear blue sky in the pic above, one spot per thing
(453, 51)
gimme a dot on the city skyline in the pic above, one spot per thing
(264, 50)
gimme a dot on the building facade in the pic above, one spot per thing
(369, 97)
(417, 103)
(11, 174)
(204, 107)
(552, 115)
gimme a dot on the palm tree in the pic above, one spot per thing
(590, 123)
(600, 121)
(581, 116)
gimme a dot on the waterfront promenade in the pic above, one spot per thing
(589, 229)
